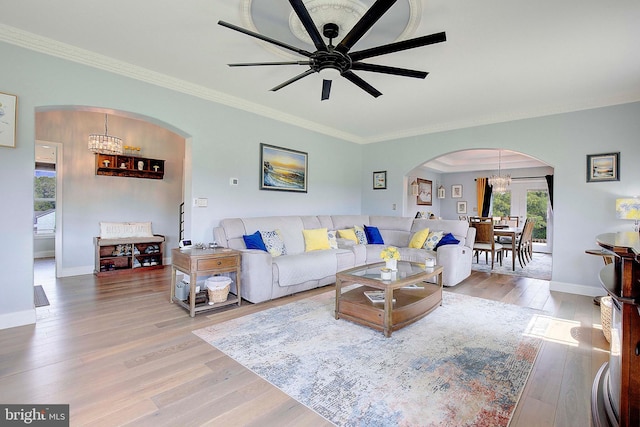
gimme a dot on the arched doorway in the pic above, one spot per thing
(85, 199)
(455, 174)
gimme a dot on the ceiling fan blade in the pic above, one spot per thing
(389, 70)
(326, 89)
(398, 46)
(361, 84)
(303, 14)
(253, 64)
(265, 38)
(372, 16)
(294, 79)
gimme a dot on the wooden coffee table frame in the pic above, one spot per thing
(410, 305)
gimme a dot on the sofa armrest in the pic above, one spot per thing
(257, 275)
(471, 237)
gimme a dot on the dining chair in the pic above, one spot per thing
(485, 242)
(524, 244)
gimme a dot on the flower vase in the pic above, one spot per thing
(392, 264)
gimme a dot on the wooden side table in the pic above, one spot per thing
(204, 262)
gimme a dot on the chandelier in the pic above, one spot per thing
(105, 144)
(500, 182)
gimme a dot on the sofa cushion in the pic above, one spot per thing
(254, 241)
(373, 235)
(432, 240)
(360, 234)
(273, 242)
(316, 239)
(447, 239)
(332, 236)
(348, 233)
(418, 239)
(294, 269)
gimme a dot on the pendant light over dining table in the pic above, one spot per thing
(105, 144)
(499, 183)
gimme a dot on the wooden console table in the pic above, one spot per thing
(204, 262)
(615, 398)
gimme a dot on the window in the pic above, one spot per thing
(44, 199)
(501, 204)
(537, 202)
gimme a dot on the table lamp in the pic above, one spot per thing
(629, 208)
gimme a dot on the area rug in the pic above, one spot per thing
(40, 297)
(538, 268)
(464, 364)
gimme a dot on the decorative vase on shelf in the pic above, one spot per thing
(391, 264)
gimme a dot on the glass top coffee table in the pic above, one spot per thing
(388, 305)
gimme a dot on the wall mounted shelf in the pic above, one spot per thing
(129, 166)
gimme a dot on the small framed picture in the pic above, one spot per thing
(8, 108)
(425, 192)
(456, 191)
(461, 207)
(603, 167)
(441, 192)
(380, 180)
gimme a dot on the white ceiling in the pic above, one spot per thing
(502, 60)
(481, 160)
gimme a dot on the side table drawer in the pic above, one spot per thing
(211, 264)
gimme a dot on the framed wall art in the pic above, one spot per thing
(8, 108)
(603, 167)
(380, 180)
(456, 191)
(461, 207)
(441, 192)
(283, 169)
(425, 192)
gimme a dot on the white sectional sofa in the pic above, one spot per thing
(266, 277)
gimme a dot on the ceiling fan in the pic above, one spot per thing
(338, 58)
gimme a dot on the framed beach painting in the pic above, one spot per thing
(283, 169)
(425, 192)
(603, 167)
(8, 108)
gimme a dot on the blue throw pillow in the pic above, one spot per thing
(254, 241)
(373, 235)
(447, 239)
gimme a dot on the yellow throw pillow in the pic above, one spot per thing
(316, 239)
(418, 239)
(349, 233)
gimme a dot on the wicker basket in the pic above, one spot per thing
(218, 288)
(605, 316)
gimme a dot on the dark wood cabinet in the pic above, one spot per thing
(616, 389)
(129, 166)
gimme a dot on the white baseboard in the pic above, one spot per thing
(76, 271)
(573, 288)
(19, 318)
(44, 254)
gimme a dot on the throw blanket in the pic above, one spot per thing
(295, 269)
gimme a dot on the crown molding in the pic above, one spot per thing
(68, 52)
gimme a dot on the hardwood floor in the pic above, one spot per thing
(119, 353)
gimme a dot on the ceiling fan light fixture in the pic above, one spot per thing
(329, 73)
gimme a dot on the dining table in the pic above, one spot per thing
(514, 233)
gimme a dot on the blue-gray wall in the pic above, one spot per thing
(223, 142)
